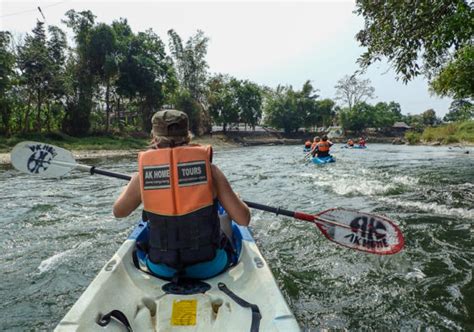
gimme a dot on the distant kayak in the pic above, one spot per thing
(354, 147)
(323, 160)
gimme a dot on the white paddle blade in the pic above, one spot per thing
(361, 231)
(42, 159)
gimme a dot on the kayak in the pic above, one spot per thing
(323, 160)
(354, 147)
(243, 298)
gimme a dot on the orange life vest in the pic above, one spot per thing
(177, 195)
(307, 144)
(314, 145)
(323, 146)
(176, 181)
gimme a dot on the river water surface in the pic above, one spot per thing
(55, 235)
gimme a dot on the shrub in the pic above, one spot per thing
(412, 137)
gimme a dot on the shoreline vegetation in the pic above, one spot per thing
(454, 134)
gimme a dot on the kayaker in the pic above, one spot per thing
(314, 146)
(180, 189)
(323, 147)
(362, 142)
(307, 144)
(350, 143)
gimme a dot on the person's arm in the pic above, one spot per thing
(234, 206)
(129, 199)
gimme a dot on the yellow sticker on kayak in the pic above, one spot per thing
(184, 312)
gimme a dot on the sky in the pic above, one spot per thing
(267, 42)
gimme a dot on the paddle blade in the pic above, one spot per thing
(361, 231)
(42, 159)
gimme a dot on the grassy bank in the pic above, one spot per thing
(105, 142)
(459, 132)
(102, 142)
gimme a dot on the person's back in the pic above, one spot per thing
(314, 146)
(323, 147)
(361, 142)
(307, 144)
(180, 189)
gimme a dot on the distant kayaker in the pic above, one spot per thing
(361, 142)
(323, 147)
(314, 146)
(350, 142)
(180, 189)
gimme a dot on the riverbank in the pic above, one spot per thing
(100, 147)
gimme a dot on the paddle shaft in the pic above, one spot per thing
(293, 214)
(277, 211)
(94, 170)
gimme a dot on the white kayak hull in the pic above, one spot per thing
(121, 286)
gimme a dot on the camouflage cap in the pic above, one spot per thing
(170, 123)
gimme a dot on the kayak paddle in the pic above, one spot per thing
(353, 229)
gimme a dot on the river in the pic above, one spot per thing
(57, 234)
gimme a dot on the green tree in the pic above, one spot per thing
(7, 63)
(222, 100)
(307, 105)
(282, 110)
(460, 110)
(57, 46)
(326, 111)
(249, 102)
(104, 61)
(191, 64)
(145, 74)
(358, 118)
(417, 37)
(80, 75)
(456, 79)
(351, 90)
(35, 66)
(429, 118)
(385, 114)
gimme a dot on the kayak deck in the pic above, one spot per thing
(140, 296)
(323, 160)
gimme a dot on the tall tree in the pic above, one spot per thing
(417, 37)
(429, 117)
(249, 101)
(326, 111)
(282, 111)
(146, 72)
(79, 107)
(191, 64)
(460, 110)
(35, 65)
(352, 90)
(104, 61)
(222, 100)
(57, 46)
(191, 68)
(7, 63)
